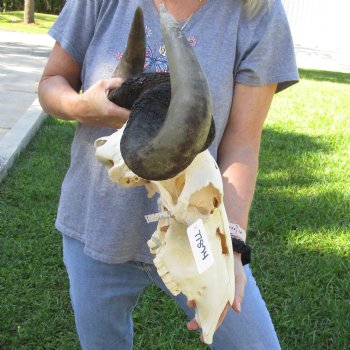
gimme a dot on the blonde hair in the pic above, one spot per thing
(253, 6)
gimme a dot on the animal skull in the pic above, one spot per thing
(195, 193)
(155, 146)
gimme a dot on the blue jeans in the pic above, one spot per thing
(104, 295)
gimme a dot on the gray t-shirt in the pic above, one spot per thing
(230, 47)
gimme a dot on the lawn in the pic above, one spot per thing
(13, 21)
(299, 230)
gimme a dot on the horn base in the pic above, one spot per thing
(131, 89)
(140, 146)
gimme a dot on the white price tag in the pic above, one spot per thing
(200, 246)
(157, 216)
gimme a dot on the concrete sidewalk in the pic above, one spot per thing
(22, 59)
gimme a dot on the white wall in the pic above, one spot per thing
(322, 24)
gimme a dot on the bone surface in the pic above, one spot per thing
(192, 248)
(108, 153)
(196, 193)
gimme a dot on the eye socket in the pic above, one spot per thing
(100, 142)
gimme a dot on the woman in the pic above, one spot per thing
(246, 52)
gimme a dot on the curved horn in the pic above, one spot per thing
(184, 132)
(133, 59)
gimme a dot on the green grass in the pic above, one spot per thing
(299, 229)
(13, 21)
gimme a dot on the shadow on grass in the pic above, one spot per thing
(320, 75)
(299, 223)
(288, 158)
(12, 17)
(292, 191)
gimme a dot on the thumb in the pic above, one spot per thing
(239, 293)
(113, 83)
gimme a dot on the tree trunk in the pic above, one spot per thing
(29, 11)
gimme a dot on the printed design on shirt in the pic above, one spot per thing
(192, 40)
(148, 31)
(157, 62)
(156, 59)
(118, 55)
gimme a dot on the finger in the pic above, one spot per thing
(191, 304)
(113, 83)
(239, 293)
(192, 325)
(236, 306)
(115, 110)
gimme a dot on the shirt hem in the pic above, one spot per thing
(283, 82)
(104, 258)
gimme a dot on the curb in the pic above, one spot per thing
(19, 136)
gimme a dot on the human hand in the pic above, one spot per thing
(96, 109)
(240, 282)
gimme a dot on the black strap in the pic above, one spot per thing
(240, 247)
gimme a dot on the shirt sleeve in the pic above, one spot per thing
(266, 51)
(75, 26)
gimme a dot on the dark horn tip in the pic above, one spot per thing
(133, 60)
